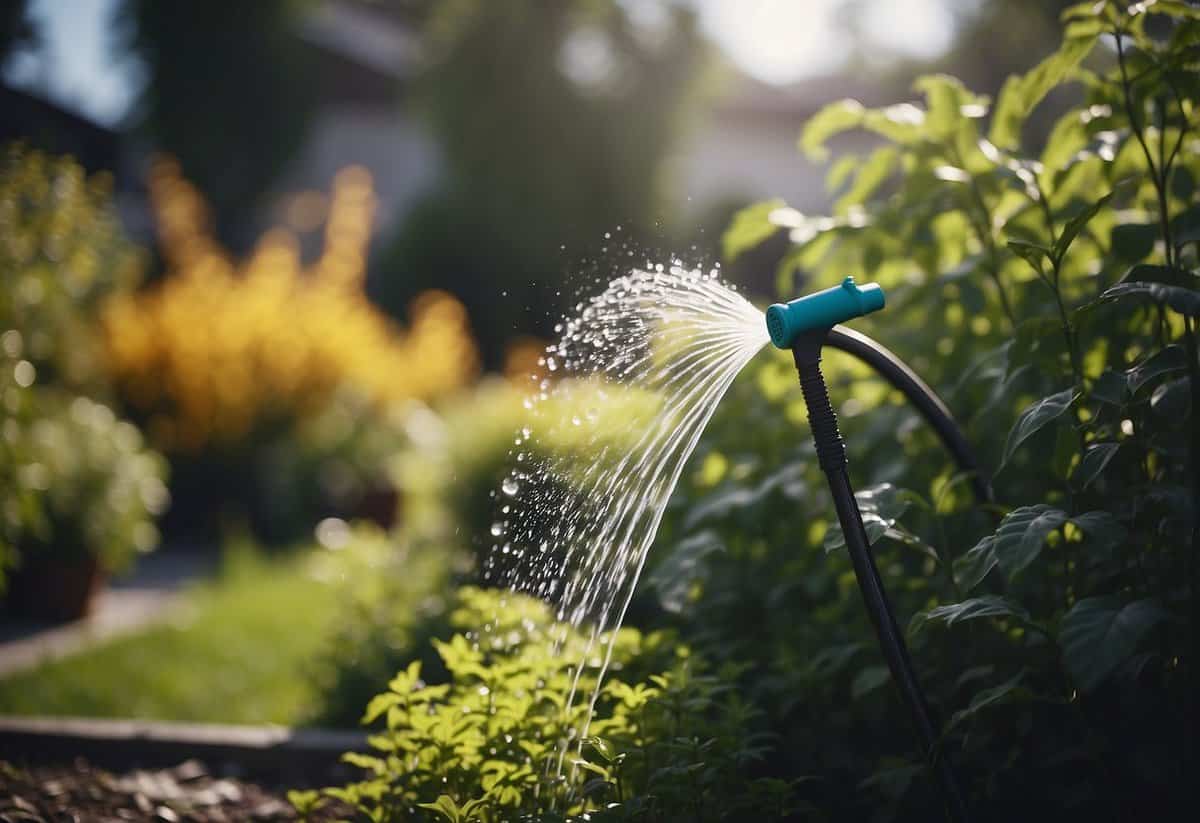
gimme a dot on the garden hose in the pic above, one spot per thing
(805, 326)
(894, 370)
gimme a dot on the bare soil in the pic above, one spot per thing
(187, 792)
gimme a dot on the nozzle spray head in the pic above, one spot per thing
(823, 310)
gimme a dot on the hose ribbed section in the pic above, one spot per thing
(831, 450)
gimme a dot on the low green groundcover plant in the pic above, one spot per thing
(499, 740)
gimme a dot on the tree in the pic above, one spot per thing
(229, 93)
(554, 119)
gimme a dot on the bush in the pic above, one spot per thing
(62, 253)
(78, 481)
(1053, 299)
(452, 462)
(497, 741)
(243, 371)
(1050, 296)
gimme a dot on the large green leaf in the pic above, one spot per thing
(1032, 253)
(683, 566)
(1020, 94)
(1111, 388)
(974, 566)
(1167, 275)
(902, 123)
(1075, 225)
(1103, 531)
(1133, 242)
(1099, 633)
(1014, 545)
(1168, 285)
(1036, 416)
(786, 481)
(1007, 692)
(989, 605)
(1172, 401)
(1164, 361)
(870, 176)
(881, 506)
(750, 227)
(1185, 226)
(1093, 462)
(946, 104)
(1022, 533)
(830, 121)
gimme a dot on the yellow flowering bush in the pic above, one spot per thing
(220, 351)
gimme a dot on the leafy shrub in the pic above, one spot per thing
(62, 252)
(77, 480)
(277, 378)
(1053, 296)
(494, 742)
(218, 352)
(395, 590)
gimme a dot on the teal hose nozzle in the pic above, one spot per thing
(823, 310)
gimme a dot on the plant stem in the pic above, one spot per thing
(983, 233)
(1159, 181)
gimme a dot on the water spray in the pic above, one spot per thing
(805, 326)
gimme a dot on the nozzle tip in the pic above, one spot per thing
(823, 310)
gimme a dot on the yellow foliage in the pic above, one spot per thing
(218, 349)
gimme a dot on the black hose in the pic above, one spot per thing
(896, 372)
(831, 455)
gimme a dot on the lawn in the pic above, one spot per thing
(241, 650)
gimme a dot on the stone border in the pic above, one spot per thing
(262, 752)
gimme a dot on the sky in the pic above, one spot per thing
(776, 41)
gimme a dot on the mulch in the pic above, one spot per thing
(187, 792)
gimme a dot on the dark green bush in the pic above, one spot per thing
(1054, 300)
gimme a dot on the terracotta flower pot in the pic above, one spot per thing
(55, 588)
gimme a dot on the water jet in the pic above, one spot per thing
(619, 407)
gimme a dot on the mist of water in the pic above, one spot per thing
(627, 390)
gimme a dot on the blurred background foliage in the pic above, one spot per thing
(541, 150)
(301, 382)
(230, 95)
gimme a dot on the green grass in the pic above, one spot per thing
(242, 650)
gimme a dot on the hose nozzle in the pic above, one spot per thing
(823, 310)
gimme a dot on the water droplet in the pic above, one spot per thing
(510, 486)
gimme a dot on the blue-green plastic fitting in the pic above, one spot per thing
(823, 310)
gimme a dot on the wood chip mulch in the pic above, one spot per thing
(188, 792)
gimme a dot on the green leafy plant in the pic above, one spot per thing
(1051, 294)
(499, 739)
(79, 482)
(62, 252)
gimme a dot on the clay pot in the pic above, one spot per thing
(55, 588)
